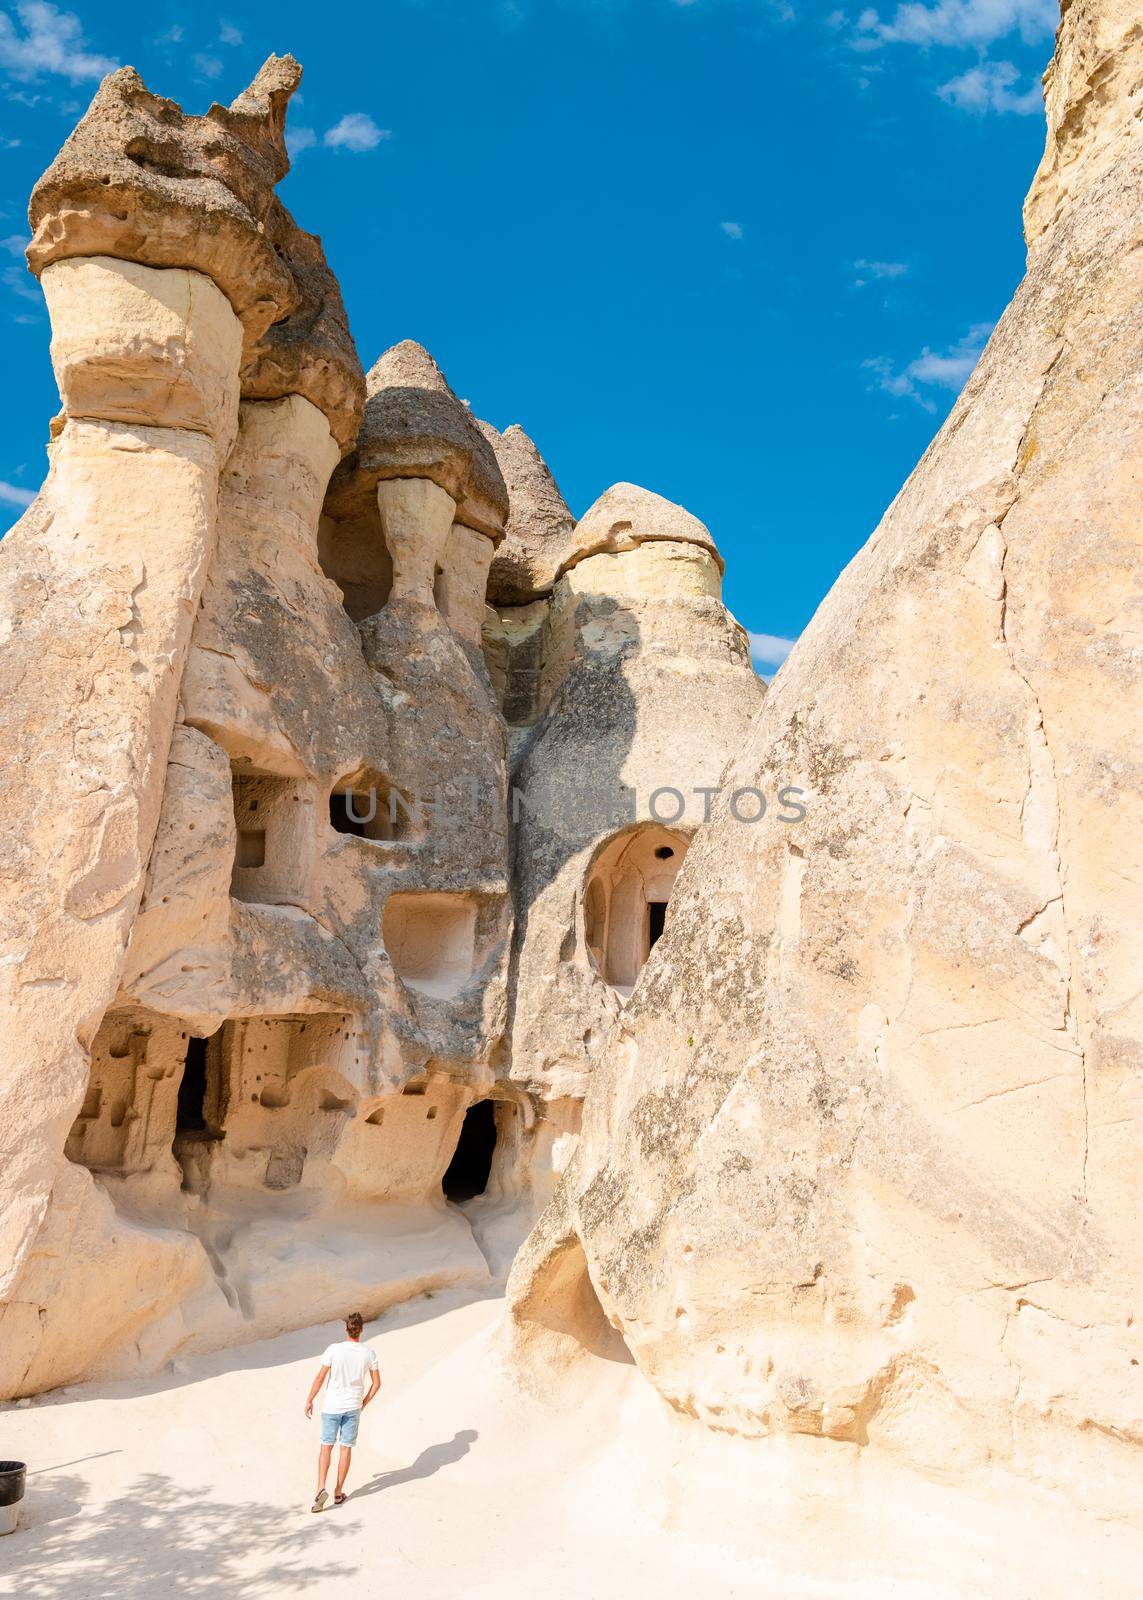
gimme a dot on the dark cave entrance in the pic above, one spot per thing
(656, 921)
(199, 1112)
(191, 1114)
(471, 1166)
(200, 1109)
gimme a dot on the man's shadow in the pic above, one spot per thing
(428, 1462)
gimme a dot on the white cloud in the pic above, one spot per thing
(299, 139)
(878, 269)
(229, 34)
(21, 283)
(356, 131)
(988, 87)
(52, 42)
(207, 66)
(12, 495)
(937, 369)
(14, 245)
(732, 230)
(975, 23)
(769, 648)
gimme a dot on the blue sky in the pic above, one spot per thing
(743, 252)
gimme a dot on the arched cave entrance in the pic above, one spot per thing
(625, 900)
(469, 1170)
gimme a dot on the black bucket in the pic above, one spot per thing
(12, 1475)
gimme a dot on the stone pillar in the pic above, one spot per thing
(416, 518)
(464, 582)
(99, 584)
(270, 499)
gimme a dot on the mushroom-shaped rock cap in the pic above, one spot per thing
(541, 529)
(415, 427)
(140, 180)
(311, 350)
(626, 515)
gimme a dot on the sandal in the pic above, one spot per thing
(340, 1499)
(319, 1503)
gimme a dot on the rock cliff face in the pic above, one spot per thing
(258, 964)
(861, 1156)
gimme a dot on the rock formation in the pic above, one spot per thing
(349, 779)
(260, 971)
(860, 1157)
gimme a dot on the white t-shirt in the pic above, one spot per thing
(350, 1364)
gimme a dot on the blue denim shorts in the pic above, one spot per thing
(343, 1422)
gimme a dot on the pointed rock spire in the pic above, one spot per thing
(415, 427)
(541, 529)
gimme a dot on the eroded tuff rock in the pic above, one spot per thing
(140, 180)
(1093, 91)
(626, 515)
(647, 690)
(540, 531)
(414, 426)
(861, 1157)
(257, 913)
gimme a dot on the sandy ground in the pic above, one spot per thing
(198, 1483)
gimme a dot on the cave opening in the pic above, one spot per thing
(471, 1165)
(191, 1114)
(199, 1108)
(626, 893)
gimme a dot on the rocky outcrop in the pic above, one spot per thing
(242, 919)
(647, 690)
(140, 180)
(859, 1156)
(415, 427)
(627, 516)
(99, 583)
(257, 919)
(540, 530)
(1093, 92)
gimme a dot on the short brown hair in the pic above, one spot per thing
(354, 1323)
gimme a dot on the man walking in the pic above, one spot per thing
(348, 1365)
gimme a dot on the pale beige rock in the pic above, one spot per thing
(261, 928)
(1093, 91)
(626, 516)
(647, 690)
(858, 1162)
(101, 579)
(463, 582)
(416, 519)
(130, 344)
(860, 1157)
